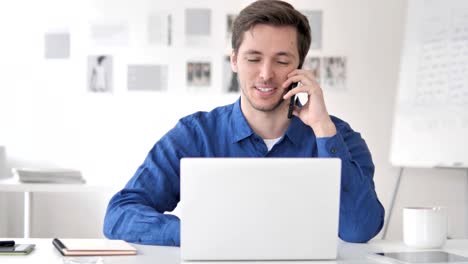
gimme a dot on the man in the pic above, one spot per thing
(270, 41)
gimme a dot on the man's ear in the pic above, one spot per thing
(233, 61)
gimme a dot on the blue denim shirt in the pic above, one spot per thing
(136, 213)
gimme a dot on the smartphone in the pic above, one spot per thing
(292, 100)
(417, 257)
(18, 249)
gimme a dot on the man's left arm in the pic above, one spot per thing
(361, 213)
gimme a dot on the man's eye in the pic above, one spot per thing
(283, 62)
(253, 60)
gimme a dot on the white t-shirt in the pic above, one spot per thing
(271, 142)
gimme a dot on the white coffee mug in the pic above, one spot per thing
(425, 227)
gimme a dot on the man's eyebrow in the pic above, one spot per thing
(252, 52)
(284, 53)
(281, 53)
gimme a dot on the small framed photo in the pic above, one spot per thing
(313, 64)
(147, 77)
(315, 23)
(100, 73)
(197, 26)
(230, 80)
(334, 73)
(198, 73)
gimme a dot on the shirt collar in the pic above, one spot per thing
(297, 131)
(239, 126)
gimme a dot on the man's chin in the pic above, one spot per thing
(267, 107)
(262, 105)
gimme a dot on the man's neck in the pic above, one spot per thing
(268, 125)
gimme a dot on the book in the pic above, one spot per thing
(93, 247)
(52, 175)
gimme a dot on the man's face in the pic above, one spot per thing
(265, 57)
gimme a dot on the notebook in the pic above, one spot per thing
(51, 175)
(93, 247)
(259, 208)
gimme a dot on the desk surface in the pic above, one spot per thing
(348, 254)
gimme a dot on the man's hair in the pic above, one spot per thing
(275, 13)
(100, 59)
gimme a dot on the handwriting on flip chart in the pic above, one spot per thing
(431, 114)
(442, 71)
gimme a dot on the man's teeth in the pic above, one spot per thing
(264, 89)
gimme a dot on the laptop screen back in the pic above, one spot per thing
(259, 208)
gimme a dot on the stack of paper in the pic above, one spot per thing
(48, 175)
(93, 247)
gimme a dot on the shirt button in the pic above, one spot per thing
(333, 150)
(257, 139)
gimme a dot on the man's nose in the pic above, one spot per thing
(266, 71)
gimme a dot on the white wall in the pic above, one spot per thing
(47, 118)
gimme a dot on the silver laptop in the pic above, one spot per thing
(259, 208)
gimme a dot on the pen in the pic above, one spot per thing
(7, 243)
(59, 245)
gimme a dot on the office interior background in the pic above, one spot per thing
(49, 117)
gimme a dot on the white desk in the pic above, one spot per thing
(13, 185)
(348, 254)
